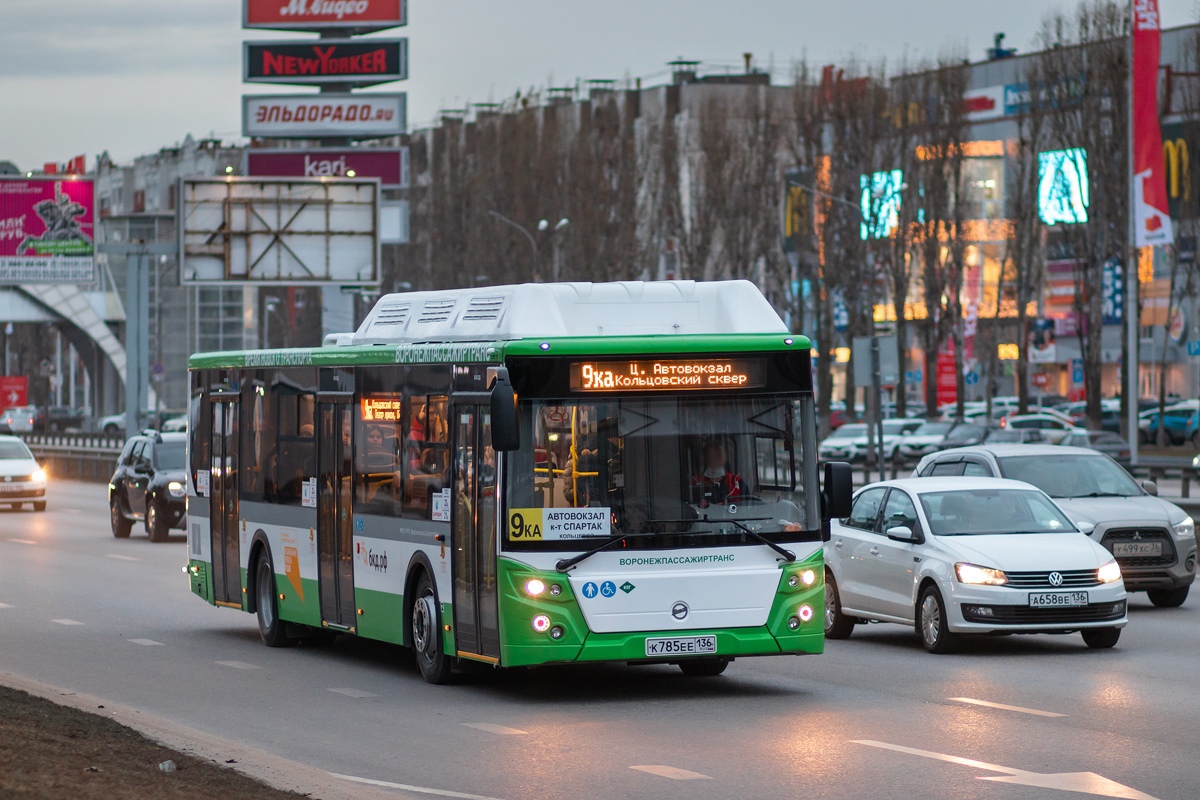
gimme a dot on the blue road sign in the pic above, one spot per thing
(1194, 348)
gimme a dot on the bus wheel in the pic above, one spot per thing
(426, 633)
(270, 626)
(704, 667)
(120, 526)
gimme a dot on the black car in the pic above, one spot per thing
(53, 419)
(150, 484)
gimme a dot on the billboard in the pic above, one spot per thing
(357, 16)
(14, 391)
(46, 230)
(308, 116)
(279, 231)
(356, 62)
(389, 165)
(1064, 193)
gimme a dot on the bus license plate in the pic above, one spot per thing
(681, 646)
(1058, 600)
(1137, 548)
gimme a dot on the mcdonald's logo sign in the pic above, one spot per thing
(1177, 164)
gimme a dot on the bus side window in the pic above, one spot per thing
(377, 454)
(776, 468)
(257, 467)
(426, 454)
(297, 447)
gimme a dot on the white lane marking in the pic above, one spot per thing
(500, 729)
(120, 558)
(414, 789)
(23, 541)
(66, 622)
(354, 693)
(674, 773)
(145, 642)
(239, 665)
(1083, 782)
(5, 605)
(1003, 707)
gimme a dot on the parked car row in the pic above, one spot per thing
(1003, 539)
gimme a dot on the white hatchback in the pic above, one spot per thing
(955, 556)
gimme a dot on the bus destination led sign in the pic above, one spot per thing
(667, 374)
(381, 409)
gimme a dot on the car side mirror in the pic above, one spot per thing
(506, 429)
(838, 490)
(1151, 488)
(903, 533)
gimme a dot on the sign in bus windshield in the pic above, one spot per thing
(667, 374)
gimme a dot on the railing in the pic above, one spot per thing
(87, 457)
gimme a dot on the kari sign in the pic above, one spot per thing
(360, 116)
(46, 230)
(361, 62)
(359, 16)
(14, 391)
(390, 166)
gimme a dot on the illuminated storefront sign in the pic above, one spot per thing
(1063, 191)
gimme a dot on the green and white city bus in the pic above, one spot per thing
(522, 475)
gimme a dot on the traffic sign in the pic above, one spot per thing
(1194, 348)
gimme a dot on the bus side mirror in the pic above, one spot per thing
(506, 429)
(838, 489)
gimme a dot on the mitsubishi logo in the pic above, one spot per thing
(1055, 579)
(1137, 535)
(679, 610)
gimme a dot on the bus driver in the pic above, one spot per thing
(716, 484)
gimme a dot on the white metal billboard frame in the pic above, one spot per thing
(279, 231)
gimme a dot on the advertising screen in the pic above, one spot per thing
(880, 202)
(1063, 191)
(46, 230)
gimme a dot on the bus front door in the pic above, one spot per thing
(335, 531)
(476, 617)
(223, 491)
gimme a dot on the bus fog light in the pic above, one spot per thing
(808, 577)
(793, 623)
(557, 632)
(555, 590)
(806, 613)
(540, 623)
(534, 587)
(793, 581)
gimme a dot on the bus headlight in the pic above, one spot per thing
(540, 623)
(808, 577)
(175, 489)
(1109, 573)
(534, 587)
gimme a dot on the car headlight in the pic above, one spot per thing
(1109, 573)
(175, 489)
(969, 573)
(38, 476)
(1185, 528)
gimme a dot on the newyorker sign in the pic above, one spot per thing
(390, 166)
(357, 116)
(361, 62)
(357, 16)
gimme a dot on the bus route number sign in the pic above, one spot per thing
(551, 524)
(656, 374)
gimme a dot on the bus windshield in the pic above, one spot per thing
(674, 471)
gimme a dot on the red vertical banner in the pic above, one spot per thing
(1152, 221)
(947, 379)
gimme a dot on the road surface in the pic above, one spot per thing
(1009, 718)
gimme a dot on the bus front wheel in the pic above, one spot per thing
(270, 626)
(426, 633)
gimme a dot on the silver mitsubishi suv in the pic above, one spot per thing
(1153, 541)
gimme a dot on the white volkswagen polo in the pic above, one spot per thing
(955, 556)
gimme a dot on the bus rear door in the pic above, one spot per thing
(335, 531)
(476, 616)
(223, 490)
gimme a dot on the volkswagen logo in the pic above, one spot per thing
(1055, 579)
(679, 610)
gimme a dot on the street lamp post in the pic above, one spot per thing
(542, 227)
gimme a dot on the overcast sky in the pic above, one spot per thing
(131, 76)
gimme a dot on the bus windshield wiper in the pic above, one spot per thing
(788, 555)
(565, 564)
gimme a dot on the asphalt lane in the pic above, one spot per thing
(874, 717)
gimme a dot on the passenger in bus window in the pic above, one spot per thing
(715, 484)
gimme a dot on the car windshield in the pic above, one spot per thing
(1003, 435)
(981, 512)
(1071, 475)
(933, 429)
(14, 450)
(667, 472)
(962, 433)
(849, 432)
(169, 456)
(895, 427)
